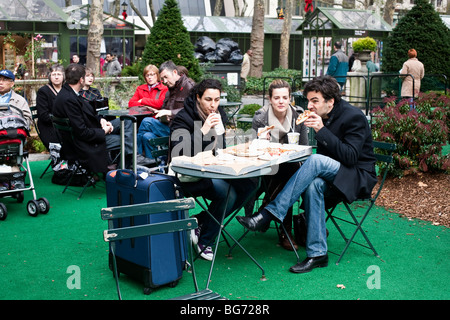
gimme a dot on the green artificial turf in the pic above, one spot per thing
(44, 257)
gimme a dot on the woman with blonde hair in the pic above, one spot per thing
(415, 68)
(152, 93)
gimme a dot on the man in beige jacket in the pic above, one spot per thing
(8, 96)
(415, 68)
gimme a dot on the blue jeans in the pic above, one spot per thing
(311, 181)
(150, 128)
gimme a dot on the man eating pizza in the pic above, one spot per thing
(343, 167)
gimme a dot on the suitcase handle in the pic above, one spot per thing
(126, 177)
(122, 141)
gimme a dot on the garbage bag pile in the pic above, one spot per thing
(224, 50)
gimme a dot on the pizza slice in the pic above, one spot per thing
(302, 117)
(265, 130)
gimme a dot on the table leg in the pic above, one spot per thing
(223, 230)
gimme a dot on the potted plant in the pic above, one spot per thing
(363, 47)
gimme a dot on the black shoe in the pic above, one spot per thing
(258, 222)
(310, 263)
(146, 162)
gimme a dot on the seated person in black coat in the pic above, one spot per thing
(199, 127)
(89, 144)
(96, 100)
(44, 104)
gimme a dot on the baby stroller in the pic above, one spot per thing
(13, 133)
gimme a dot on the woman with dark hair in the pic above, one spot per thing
(199, 127)
(44, 103)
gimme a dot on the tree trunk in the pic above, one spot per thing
(140, 15)
(389, 8)
(115, 9)
(218, 8)
(257, 40)
(286, 35)
(95, 34)
(152, 11)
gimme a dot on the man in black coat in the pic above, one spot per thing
(343, 166)
(89, 130)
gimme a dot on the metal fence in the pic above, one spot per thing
(372, 90)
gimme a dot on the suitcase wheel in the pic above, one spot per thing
(148, 290)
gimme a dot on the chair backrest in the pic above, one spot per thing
(384, 156)
(34, 117)
(62, 124)
(161, 146)
(116, 234)
(149, 229)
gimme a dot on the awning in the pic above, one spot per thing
(344, 19)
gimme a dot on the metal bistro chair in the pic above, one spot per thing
(62, 126)
(161, 150)
(385, 157)
(184, 224)
(34, 116)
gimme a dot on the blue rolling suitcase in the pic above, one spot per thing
(155, 260)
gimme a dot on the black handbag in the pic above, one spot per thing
(300, 229)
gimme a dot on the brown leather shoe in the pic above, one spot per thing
(284, 242)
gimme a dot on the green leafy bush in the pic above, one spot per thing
(256, 85)
(135, 70)
(248, 109)
(366, 43)
(419, 132)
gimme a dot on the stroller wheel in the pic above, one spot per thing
(20, 197)
(33, 208)
(3, 212)
(44, 205)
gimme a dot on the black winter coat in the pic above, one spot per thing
(89, 144)
(186, 137)
(44, 104)
(347, 138)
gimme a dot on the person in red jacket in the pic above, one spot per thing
(152, 93)
(179, 87)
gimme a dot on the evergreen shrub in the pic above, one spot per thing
(422, 29)
(169, 40)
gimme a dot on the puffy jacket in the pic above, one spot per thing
(338, 66)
